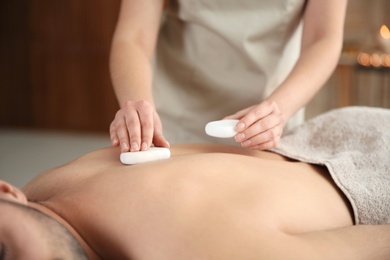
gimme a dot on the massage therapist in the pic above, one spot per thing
(178, 64)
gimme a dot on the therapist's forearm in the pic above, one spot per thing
(131, 73)
(310, 73)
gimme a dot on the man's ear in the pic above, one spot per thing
(10, 192)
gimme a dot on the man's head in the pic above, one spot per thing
(27, 233)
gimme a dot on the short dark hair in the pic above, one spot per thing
(61, 241)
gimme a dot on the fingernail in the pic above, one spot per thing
(144, 146)
(134, 147)
(240, 126)
(114, 142)
(124, 147)
(246, 143)
(240, 137)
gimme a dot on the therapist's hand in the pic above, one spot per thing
(260, 126)
(136, 126)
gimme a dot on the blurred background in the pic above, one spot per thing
(56, 98)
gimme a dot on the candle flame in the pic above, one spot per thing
(385, 32)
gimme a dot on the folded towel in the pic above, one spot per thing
(354, 144)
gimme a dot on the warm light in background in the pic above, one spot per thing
(380, 56)
(385, 58)
(374, 59)
(364, 59)
(384, 39)
(385, 32)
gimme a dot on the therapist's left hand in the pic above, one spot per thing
(260, 126)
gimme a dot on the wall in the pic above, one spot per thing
(364, 17)
(54, 64)
(351, 84)
(15, 87)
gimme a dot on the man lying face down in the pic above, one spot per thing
(205, 202)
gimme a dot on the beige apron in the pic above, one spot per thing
(216, 57)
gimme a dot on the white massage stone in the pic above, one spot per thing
(152, 154)
(222, 128)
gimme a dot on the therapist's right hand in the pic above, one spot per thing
(136, 127)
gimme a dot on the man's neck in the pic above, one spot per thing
(46, 210)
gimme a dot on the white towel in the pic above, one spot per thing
(354, 144)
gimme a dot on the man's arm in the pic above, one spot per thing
(354, 242)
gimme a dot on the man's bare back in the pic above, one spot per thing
(204, 202)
